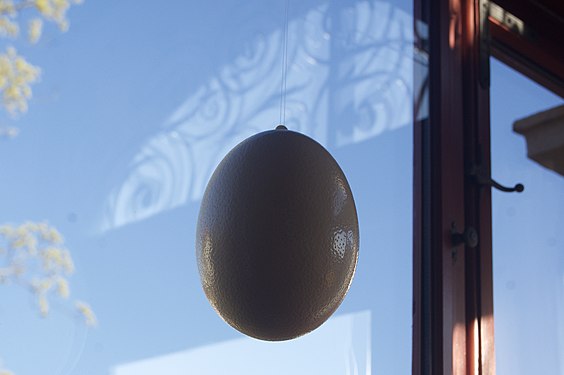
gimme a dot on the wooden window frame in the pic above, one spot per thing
(453, 314)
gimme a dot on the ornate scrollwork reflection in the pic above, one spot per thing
(349, 80)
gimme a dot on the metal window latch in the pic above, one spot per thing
(469, 237)
(482, 178)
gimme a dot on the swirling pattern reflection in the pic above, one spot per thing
(349, 80)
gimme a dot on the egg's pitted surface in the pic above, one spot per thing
(277, 238)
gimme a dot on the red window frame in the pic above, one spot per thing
(453, 312)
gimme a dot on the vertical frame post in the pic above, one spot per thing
(453, 312)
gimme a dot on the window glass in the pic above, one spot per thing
(138, 102)
(528, 240)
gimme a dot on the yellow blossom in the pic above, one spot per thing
(67, 262)
(55, 10)
(53, 258)
(8, 28)
(42, 227)
(21, 231)
(63, 287)
(7, 7)
(41, 286)
(6, 372)
(51, 235)
(86, 312)
(32, 245)
(23, 246)
(43, 305)
(43, 6)
(6, 230)
(31, 226)
(23, 240)
(26, 71)
(34, 30)
(16, 76)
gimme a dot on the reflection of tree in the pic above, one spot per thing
(374, 75)
(350, 79)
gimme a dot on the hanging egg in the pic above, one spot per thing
(277, 237)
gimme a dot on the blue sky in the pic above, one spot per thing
(137, 106)
(138, 102)
(528, 240)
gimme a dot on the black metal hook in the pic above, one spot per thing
(483, 179)
(518, 188)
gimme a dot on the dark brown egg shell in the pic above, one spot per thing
(277, 237)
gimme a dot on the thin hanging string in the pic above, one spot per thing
(284, 67)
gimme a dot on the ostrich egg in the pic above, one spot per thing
(277, 236)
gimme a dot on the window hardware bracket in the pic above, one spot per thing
(469, 237)
(479, 175)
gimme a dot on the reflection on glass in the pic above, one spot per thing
(359, 70)
(528, 241)
(342, 346)
(121, 140)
